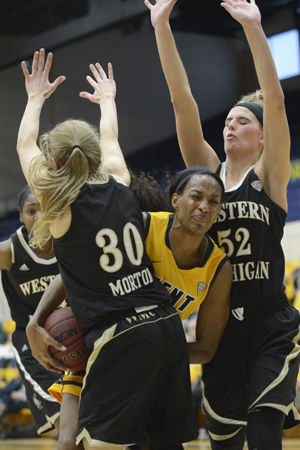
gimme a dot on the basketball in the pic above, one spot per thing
(62, 326)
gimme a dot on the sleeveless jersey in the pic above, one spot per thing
(249, 229)
(27, 278)
(188, 288)
(102, 258)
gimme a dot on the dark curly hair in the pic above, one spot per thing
(148, 192)
(22, 196)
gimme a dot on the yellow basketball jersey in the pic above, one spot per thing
(188, 288)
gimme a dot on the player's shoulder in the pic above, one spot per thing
(160, 216)
(215, 249)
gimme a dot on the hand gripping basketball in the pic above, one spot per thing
(62, 326)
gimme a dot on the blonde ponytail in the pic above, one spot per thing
(73, 146)
(255, 97)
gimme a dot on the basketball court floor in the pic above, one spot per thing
(50, 444)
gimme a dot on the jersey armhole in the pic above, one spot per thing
(220, 265)
(147, 224)
(12, 249)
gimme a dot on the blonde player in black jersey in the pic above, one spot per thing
(251, 381)
(194, 270)
(97, 232)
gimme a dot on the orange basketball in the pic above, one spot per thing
(62, 326)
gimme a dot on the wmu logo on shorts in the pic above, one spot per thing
(37, 402)
(238, 313)
(200, 287)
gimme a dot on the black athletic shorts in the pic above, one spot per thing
(255, 366)
(44, 408)
(137, 386)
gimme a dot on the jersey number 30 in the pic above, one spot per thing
(107, 239)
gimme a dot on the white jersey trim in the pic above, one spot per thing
(37, 388)
(34, 257)
(223, 177)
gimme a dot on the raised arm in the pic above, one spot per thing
(39, 339)
(273, 167)
(38, 89)
(212, 318)
(104, 94)
(195, 150)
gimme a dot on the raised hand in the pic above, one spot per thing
(242, 11)
(160, 11)
(37, 82)
(103, 86)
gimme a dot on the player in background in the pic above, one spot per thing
(25, 274)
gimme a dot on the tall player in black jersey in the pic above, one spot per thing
(251, 381)
(25, 274)
(138, 369)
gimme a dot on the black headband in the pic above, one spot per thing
(184, 175)
(255, 108)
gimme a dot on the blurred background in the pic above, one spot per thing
(219, 67)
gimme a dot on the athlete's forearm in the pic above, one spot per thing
(172, 65)
(263, 61)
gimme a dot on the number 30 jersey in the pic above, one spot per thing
(102, 258)
(249, 229)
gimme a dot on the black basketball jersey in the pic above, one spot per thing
(102, 258)
(27, 278)
(249, 229)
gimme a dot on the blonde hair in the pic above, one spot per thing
(74, 146)
(255, 97)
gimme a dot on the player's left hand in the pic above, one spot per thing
(40, 340)
(242, 11)
(160, 11)
(104, 86)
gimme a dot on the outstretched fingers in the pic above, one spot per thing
(35, 60)
(110, 71)
(102, 83)
(101, 71)
(47, 66)
(25, 69)
(41, 60)
(88, 95)
(97, 74)
(148, 4)
(54, 85)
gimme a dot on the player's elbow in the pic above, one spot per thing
(202, 354)
(183, 100)
(208, 356)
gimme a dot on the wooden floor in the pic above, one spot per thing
(50, 444)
